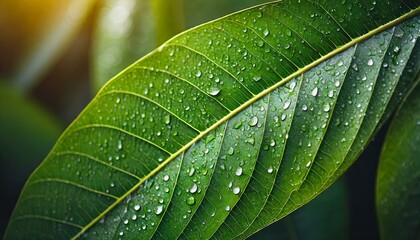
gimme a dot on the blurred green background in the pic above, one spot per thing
(55, 55)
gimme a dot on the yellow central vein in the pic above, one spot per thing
(258, 96)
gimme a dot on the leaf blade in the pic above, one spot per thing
(397, 180)
(113, 136)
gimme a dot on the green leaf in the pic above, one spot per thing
(227, 127)
(326, 217)
(27, 134)
(398, 181)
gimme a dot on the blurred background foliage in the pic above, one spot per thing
(55, 55)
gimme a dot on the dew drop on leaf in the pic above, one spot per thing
(314, 91)
(326, 107)
(238, 171)
(230, 151)
(190, 200)
(266, 32)
(167, 119)
(286, 105)
(194, 188)
(159, 210)
(253, 121)
(214, 91)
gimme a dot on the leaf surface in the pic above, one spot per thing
(398, 181)
(227, 127)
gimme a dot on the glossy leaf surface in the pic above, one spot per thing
(227, 127)
(398, 182)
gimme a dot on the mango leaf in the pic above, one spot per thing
(398, 181)
(227, 127)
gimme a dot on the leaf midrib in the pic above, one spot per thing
(256, 97)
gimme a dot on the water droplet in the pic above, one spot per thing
(159, 210)
(370, 62)
(337, 83)
(191, 172)
(190, 200)
(167, 119)
(193, 188)
(165, 178)
(292, 86)
(253, 121)
(314, 91)
(227, 208)
(121, 233)
(198, 74)
(126, 221)
(326, 107)
(137, 207)
(288, 32)
(286, 105)
(270, 170)
(238, 171)
(120, 145)
(331, 94)
(231, 151)
(340, 63)
(238, 124)
(308, 164)
(283, 117)
(134, 217)
(257, 78)
(236, 190)
(118, 100)
(355, 67)
(266, 32)
(304, 107)
(214, 91)
(272, 142)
